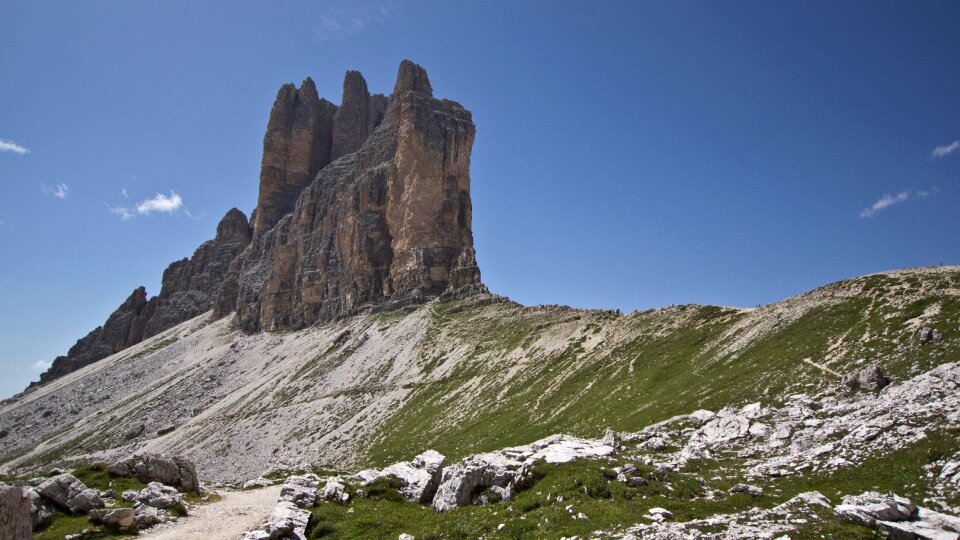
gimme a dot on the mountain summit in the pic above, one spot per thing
(361, 206)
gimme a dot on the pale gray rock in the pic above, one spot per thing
(747, 489)
(871, 507)
(508, 469)
(366, 476)
(335, 491)
(759, 429)
(122, 520)
(782, 431)
(287, 521)
(148, 516)
(463, 480)
(257, 483)
(160, 496)
(898, 517)
(70, 494)
(725, 428)
(300, 490)
(659, 514)
(15, 521)
(420, 476)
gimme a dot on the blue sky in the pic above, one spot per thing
(628, 155)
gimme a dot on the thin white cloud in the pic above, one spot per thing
(123, 191)
(336, 27)
(10, 146)
(343, 22)
(160, 203)
(59, 191)
(889, 200)
(124, 213)
(40, 365)
(945, 150)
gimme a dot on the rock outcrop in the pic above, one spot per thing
(506, 471)
(175, 471)
(295, 147)
(70, 494)
(359, 114)
(14, 513)
(868, 378)
(190, 287)
(418, 477)
(389, 224)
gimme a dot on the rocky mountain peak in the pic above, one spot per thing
(386, 223)
(412, 78)
(233, 227)
(358, 115)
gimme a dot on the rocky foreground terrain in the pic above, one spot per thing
(339, 344)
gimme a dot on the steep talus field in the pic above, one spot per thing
(463, 375)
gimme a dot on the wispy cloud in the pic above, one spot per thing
(40, 366)
(340, 23)
(10, 146)
(124, 213)
(159, 203)
(945, 150)
(123, 191)
(889, 200)
(59, 191)
(334, 27)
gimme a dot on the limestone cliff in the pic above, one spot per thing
(365, 205)
(296, 145)
(388, 224)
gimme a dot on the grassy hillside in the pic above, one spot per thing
(512, 374)
(466, 376)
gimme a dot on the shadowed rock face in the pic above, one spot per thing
(296, 145)
(190, 287)
(389, 224)
(359, 114)
(123, 328)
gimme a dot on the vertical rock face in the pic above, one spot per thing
(389, 223)
(358, 115)
(190, 287)
(297, 145)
